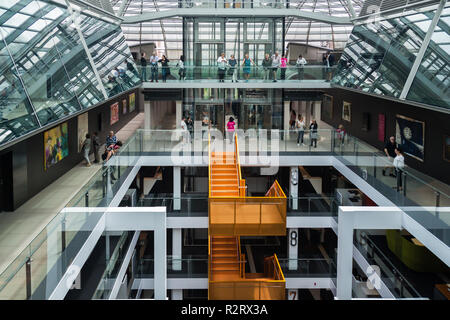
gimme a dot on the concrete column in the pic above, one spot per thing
(176, 249)
(53, 267)
(293, 188)
(293, 248)
(147, 115)
(178, 114)
(344, 256)
(176, 188)
(160, 249)
(177, 294)
(286, 118)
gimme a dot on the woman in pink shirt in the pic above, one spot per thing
(283, 66)
(230, 129)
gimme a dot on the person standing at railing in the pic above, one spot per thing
(143, 67)
(340, 131)
(154, 59)
(283, 66)
(246, 64)
(300, 125)
(399, 164)
(181, 70)
(222, 65)
(232, 62)
(300, 66)
(276, 61)
(313, 133)
(389, 150)
(266, 64)
(328, 62)
(165, 71)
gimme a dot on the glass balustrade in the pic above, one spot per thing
(292, 73)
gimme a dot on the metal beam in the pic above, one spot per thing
(423, 48)
(224, 12)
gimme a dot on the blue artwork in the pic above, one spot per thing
(410, 136)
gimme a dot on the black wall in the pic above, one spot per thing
(437, 124)
(28, 174)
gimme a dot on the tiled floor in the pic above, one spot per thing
(19, 228)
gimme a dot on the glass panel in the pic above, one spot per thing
(432, 82)
(379, 56)
(74, 57)
(33, 49)
(16, 113)
(110, 53)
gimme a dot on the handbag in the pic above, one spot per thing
(230, 71)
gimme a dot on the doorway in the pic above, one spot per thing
(6, 196)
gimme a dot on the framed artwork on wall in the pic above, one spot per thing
(124, 105)
(132, 100)
(410, 136)
(347, 111)
(83, 121)
(327, 107)
(447, 148)
(56, 145)
(381, 127)
(114, 113)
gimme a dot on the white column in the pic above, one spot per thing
(176, 249)
(177, 294)
(178, 114)
(53, 266)
(147, 115)
(176, 188)
(287, 115)
(160, 264)
(293, 188)
(344, 256)
(293, 248)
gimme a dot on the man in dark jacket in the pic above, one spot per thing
(96, 144)
(266, 64)
(143, 67)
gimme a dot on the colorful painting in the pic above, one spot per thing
(114, 113)
(347, 111)
(124, 106)
(410, 136)
(56, 145)
(132, 98)
(83, 121)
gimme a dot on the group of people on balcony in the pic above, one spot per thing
(153, 61)
(230, 66)
(270, 66)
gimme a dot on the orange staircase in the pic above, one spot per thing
(232, 214)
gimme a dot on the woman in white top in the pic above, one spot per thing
(181, 70)
(399, 165)
(222, 65)
(300, 125)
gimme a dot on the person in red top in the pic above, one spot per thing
(112, 149)
(230, 129)
(341, 134)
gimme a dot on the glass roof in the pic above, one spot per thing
(167, 33)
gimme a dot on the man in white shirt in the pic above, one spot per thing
(399, 165)
(300, 64)
(185, 131)
(154, 66)
(300, 125)
(276, 61)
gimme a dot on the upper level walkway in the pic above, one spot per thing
(292, 77)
